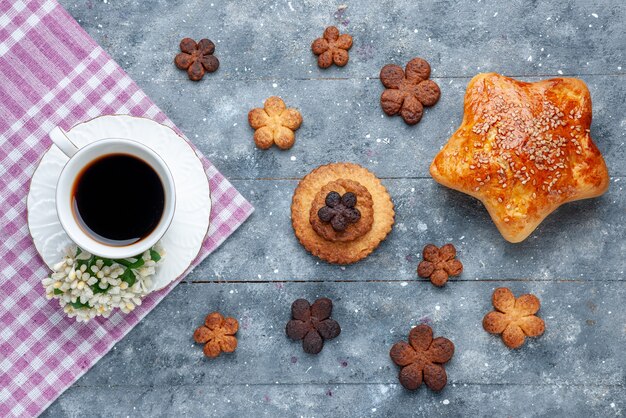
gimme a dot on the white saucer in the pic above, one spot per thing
(184, 238)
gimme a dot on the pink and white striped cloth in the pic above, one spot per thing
(53, 73)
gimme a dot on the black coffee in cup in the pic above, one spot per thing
(118, 199)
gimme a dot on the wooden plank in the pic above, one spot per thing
(583, 344)
(272, 39)
(362, 400)
(581, 241)
(343, 121)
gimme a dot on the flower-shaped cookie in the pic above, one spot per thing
(197, 58)
(217, 334)
(422, 359)
(332, 48)
(439, 264)
(274, 124)
(340, 210)
(408, 91)
(363, 204)
(514, 318)
(312, 324)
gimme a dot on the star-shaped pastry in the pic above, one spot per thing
(523, 150)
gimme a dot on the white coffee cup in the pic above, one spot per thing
(81, 157)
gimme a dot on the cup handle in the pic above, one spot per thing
(61, 140)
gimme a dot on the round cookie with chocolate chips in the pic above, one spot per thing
(341, 212)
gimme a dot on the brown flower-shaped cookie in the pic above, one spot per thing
(274, 124)
(408, 91)
(364, 205)
(312, 324)
(514, 318)
(439, 264)
(197, 58)
(217, 334)
(422, 359)
(340, 210)
(332, 48)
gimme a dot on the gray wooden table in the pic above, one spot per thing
(574, 262)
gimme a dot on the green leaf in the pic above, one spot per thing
(123, 262)
(90, 262)
(78, 251)
(155, 256)
(129, 277)
(97, 289)
(136, 264)
(131, 264)
(79, 305)
(57, 291)
(105, 261)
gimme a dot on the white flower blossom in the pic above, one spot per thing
(85, 292)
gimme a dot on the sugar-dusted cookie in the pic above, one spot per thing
(439, 264)
(523, 150)
(275, 123)
(357, 240)
(312, 324)
(332, 48)
(197, 58)
(217, 334)
(422, 359)
(408, 91)
(514, 318)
